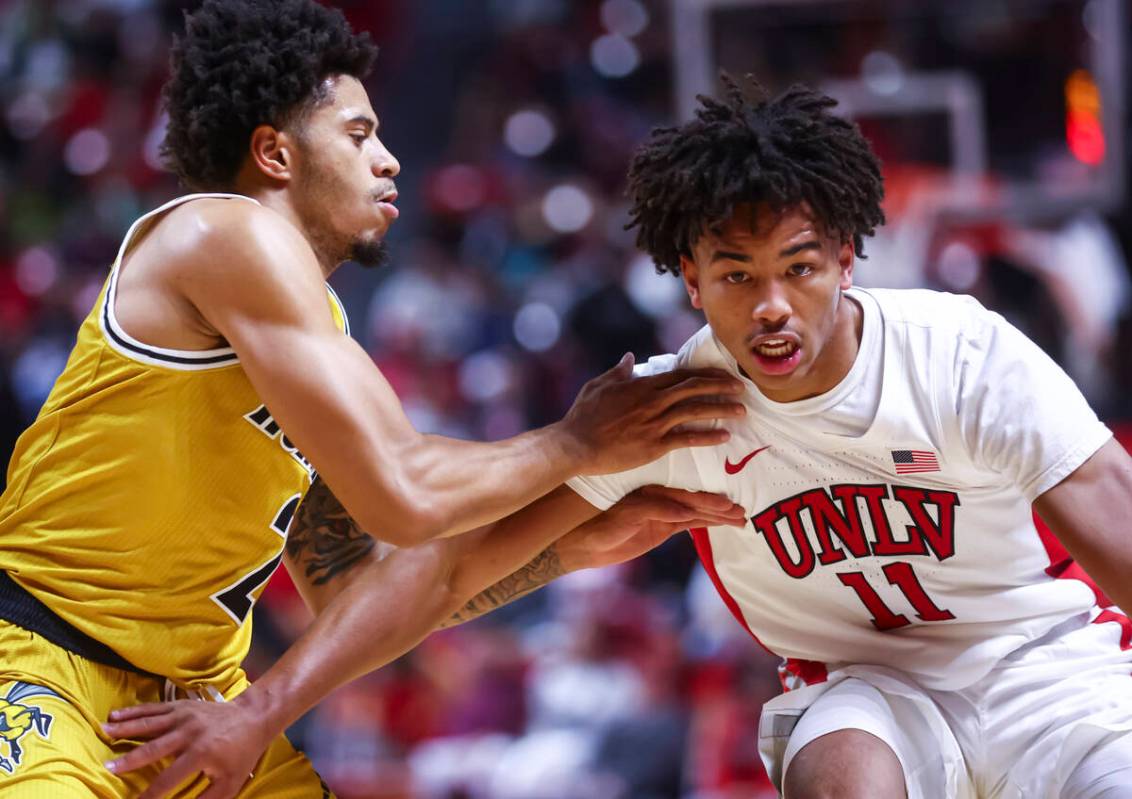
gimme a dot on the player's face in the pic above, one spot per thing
(771, 288)
(344, 179)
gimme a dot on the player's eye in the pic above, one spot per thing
(800, 270)
(359, 138)
(736, 277)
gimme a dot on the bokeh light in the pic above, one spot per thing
(959, 266)
(87, 151)
(656, 295)
(567, 209)
(625, 17)
(614, 56)
(484, 376)
(882, 72)
(537, 327)
(529, 132)
(37, 270)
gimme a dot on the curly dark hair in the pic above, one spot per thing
(245, 63)
(688, 179)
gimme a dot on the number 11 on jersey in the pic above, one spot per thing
(903, 577)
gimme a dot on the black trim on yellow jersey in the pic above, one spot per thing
(130, 347)
(121, 342)
(341, 308)
(24, 610)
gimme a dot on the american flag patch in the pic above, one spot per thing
(911, 461)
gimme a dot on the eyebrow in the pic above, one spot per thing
(369, 122)
(812, 244)
(729, 255)
(720, 255)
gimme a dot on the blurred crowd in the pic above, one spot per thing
(512, 282)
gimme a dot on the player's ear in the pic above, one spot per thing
(272, 152)
(691, 275)
(845, 261)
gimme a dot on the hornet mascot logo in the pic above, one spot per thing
(16, 719)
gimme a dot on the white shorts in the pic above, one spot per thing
(1050, 721)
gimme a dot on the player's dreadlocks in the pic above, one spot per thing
(245, 63)
(686, 180)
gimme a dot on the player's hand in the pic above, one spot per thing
(222, 740)
(641, 521)
(620, 421)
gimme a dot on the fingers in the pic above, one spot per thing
(694, 499)
(145, 727)
(624, 367)
(224, 789)
(700, 385)
(148, 753)
(693, 438)
(696, 523)
(677, 376)
(676, 513)
(181, 769)
(136, 711)
(698, 411)
(687, 516)
(659, 509)
(674, 505)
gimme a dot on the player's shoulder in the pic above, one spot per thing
(937, 319)
(231, 243)
(214, 227)
(927, 308)
(700, 350)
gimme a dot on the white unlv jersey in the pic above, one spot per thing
(909, 542)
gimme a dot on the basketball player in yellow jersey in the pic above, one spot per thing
(150, 501)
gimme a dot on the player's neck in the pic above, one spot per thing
(279, 201)
(844, 345)
(835, 360)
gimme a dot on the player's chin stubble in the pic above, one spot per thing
(372, 254)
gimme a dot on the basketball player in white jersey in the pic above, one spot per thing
(937, 644)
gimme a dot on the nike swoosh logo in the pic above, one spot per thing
(735, 468)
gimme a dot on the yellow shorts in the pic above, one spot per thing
(52, 705)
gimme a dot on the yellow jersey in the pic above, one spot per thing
(149, 502)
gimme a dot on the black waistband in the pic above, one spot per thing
(24, 610)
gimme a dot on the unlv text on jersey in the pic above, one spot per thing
(835, 513)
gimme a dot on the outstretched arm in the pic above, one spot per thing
(252, 277)
(638, 523)
(545, 567)
(1089, 511)
(375, 603)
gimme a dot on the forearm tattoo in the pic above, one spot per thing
(324, 540)
(540, 571)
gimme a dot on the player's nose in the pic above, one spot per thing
(385, 164)
(772, 306)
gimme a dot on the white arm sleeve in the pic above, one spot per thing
(1020, 414)
(605, 491)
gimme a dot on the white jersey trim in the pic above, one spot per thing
(125, 344)
(341, 309)
(186, 360)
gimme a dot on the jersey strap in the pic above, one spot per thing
(127, 345)
(24, 610)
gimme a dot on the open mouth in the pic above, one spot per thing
(385, 203)
(777, 356)
(776, 348)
